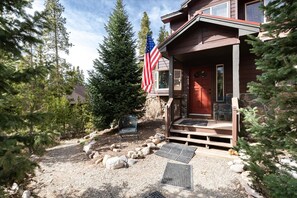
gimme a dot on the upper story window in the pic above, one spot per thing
(218, 10)
(253, 11)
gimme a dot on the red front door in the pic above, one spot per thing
(200, 90)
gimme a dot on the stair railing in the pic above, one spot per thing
(168, 116)
(235, 120)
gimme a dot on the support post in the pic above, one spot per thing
(171, 84)
(235, 65)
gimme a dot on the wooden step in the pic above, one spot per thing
(211, 134)
(206, 142)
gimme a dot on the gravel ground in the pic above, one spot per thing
(65, 171)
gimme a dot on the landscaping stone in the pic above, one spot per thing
(130, 153)
(116, 150)
(115, 163)
(148, 141)
(156, 140)
(151, 145)
(88, 147)
(238, 161)
(26, 194)
(113, 146)
(146, 151)
(105, 158)
(131, 162)
(140, 154)
(98, 161)
(96, 155)
(237, 168)
(138, 149)
(15, 187)
(230, 163)
(161, 144)
(124, 158)
(151, 137)
(134, 156)
(160, 136)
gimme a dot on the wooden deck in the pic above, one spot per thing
(214, 133)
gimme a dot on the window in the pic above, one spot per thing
(253, 11)
(218, 10)
(161, 79)
(177, 79)
(220, 83)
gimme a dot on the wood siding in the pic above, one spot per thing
(203, 36)
(200, 5)
(247, 68)
(174, 25)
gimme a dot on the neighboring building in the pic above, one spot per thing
(78, 95)
(210, 65)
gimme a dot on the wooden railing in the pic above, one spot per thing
(168, 116)
(235, 120)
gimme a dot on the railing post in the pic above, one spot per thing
(234, 121)
(168, 118)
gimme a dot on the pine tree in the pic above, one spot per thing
(144, 30)
(56, 41)
(114, 85)
(18, 30)
(274, 127)
(163, 34)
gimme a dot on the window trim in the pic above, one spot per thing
(218, 65)
(228, 8)
(157, 80)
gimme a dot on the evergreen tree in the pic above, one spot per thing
(274, 127)
(56, 40)
(114, 85)
(17, 31)
(163, 34)
(144, 30)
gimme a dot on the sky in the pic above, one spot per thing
(85, 20)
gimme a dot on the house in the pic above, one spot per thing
(78, 95)
(208, 52)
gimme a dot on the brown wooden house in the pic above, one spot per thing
(208, 45)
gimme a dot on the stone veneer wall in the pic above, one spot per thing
(155, 106)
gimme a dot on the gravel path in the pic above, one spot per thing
(65, 171)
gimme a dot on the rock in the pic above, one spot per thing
(148, 141)
(156, 140)
(15, 187)
(230, 163)
(87, 137)
(140, 154)
(161, 144)
(26, 194)
(105, 158)
(146, 151)
(130, 153)
(88, 147)
(138, 149)
(151, 145)
(96, 155)
(151, 137)
(115, 163)
(116, 150)
(124, 158)
(245, 176)
(144, 145)
(237, 168)
(113, 146)
(238, 161)
(99, 160)
(134, 156)
(131, 162)
(160, 136)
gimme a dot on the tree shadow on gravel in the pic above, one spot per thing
(65, 153)
(110, 191)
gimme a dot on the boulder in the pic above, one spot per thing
(151, 137)
(130, 153)
(156, 140)
(134, 156)
(238, 161)
(88, 147)
(230, 163)
(96, 155)
(105, 158)
(161, 144)
(237, 168)
(151, 145)
(99, 160)
(160, 136)
(148, 141)
(26, 194)
(115, 163)
(113, 146)
(124, 158)
(116, 150)
(146, 151)
(131, 162)
(15, 187)
(138, 149)
(140, 154)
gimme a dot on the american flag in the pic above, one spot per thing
(151, 58)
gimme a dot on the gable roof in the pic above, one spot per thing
(244, 27)
(78, 95)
